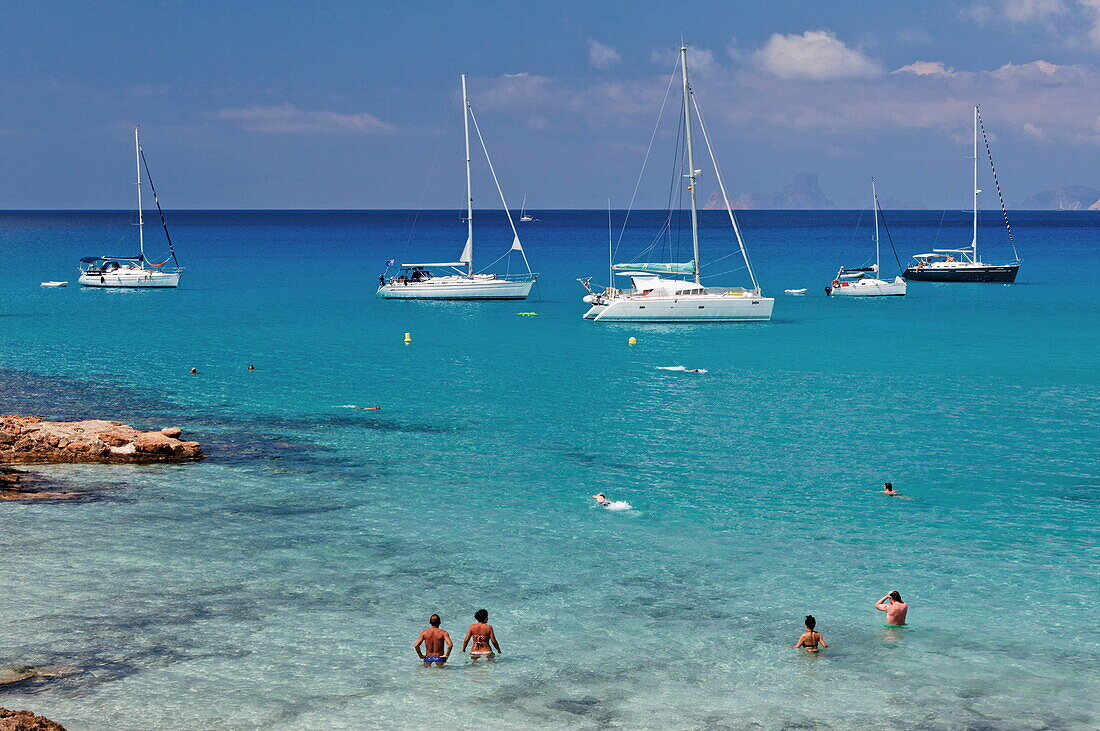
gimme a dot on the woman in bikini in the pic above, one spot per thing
(481, 632)
(810, 640)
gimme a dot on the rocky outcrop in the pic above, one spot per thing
(26, 721)
(29, 439)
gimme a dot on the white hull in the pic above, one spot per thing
(685, 308)
(133, 278)
(868, 288)
(458, 288)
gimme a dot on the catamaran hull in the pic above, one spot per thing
(1006, 273)
(131, 280)
(708, 309)
(490, 290)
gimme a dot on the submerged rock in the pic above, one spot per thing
(29, 439)
(26, 721)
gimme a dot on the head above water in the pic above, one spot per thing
(482, 615)
(810, 622)
(894, 596)
(888, 486)
(434, 620)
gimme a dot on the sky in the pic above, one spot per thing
(290, 104)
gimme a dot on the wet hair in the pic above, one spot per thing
(889, 486)
(481, 615)
(895, 596)
(434, 620)
(810, 622)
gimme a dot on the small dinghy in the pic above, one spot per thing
(795, 291)
(55, 284)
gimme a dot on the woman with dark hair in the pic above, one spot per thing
(811, 640)
(481, 632)
(895, 609)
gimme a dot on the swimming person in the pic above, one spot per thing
(251, 368)
(193, 371)
(601, 499)
(810, 640)
(888, 488)
(433, 639)
(481, 632)
(895, 609)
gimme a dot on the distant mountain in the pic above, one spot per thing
(1070, 198)
(804, 193)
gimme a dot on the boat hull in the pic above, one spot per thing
(868, 288)
(1005, 273)
(703, 308)
(493, 289)
(137, 280)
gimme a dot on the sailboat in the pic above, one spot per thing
(134, 271)
(457, 280)
(524, 216)
(864, 281)
(655, 297)
(963, 265)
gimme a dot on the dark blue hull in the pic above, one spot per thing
(1005, 273)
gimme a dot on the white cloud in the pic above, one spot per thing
(289, 118)
(1041, 72)
(701, 61)
(601, 56)
(1032, 131)
(1016, 11)
(817, 55)
(926, 68)
(1091, 9)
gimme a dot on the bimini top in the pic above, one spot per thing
(90, 259)
(667, 267)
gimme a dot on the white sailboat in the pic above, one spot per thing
(524, 216)
(963, 265)
(457, 280)
(134, 271)
(864, 281)
(657, 298)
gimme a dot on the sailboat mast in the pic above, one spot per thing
(141, 217)
(469, 250)
(974, 241)
(874, 202)
(691, 163)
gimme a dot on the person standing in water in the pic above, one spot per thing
(895, 609)
(433, 639)
(481, 632)
(811, 640)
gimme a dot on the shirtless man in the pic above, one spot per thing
(433, 639)
(601, 499)
(895, 609)
(481, 632)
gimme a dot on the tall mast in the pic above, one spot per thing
(874, 202)
(141, 218)
(468, 251)
(691, 162)
(974, 241)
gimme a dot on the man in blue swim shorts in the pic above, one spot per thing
(434, 639)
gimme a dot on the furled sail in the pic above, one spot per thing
(663, 267)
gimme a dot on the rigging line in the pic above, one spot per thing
(431, 172)
(997, 183)
(725, 195)
(645, 160)
(882, 217)
(503, 202)
(156, 200)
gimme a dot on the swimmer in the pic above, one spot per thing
(485, 639)
(250, 368)
(810, 640)
(895, 609)
(193, 371)
(601, 499)
(888, 489)
(433, 639)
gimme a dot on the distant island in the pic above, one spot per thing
(1070, 198)
(804, 193)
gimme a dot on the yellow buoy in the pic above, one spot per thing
(633, 341)
(408, 338)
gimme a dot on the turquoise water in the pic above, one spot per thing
(281, 582)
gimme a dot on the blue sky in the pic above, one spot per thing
(352, 105)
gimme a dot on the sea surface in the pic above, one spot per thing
(281, 582)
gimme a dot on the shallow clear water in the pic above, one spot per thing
(281, 582)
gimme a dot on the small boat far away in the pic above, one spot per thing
(864, 281)
(963, 265)
(524, 216)
(459, 281)
(656, 298)
(134, 271)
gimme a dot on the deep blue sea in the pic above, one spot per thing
(281, 582)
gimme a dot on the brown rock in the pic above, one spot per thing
(171, 431)
(31, 439)
(26, 721)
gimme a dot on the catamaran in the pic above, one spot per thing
(963, 265)
(457, 280)
(657, 298)
(864, 281)
(134, 271)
